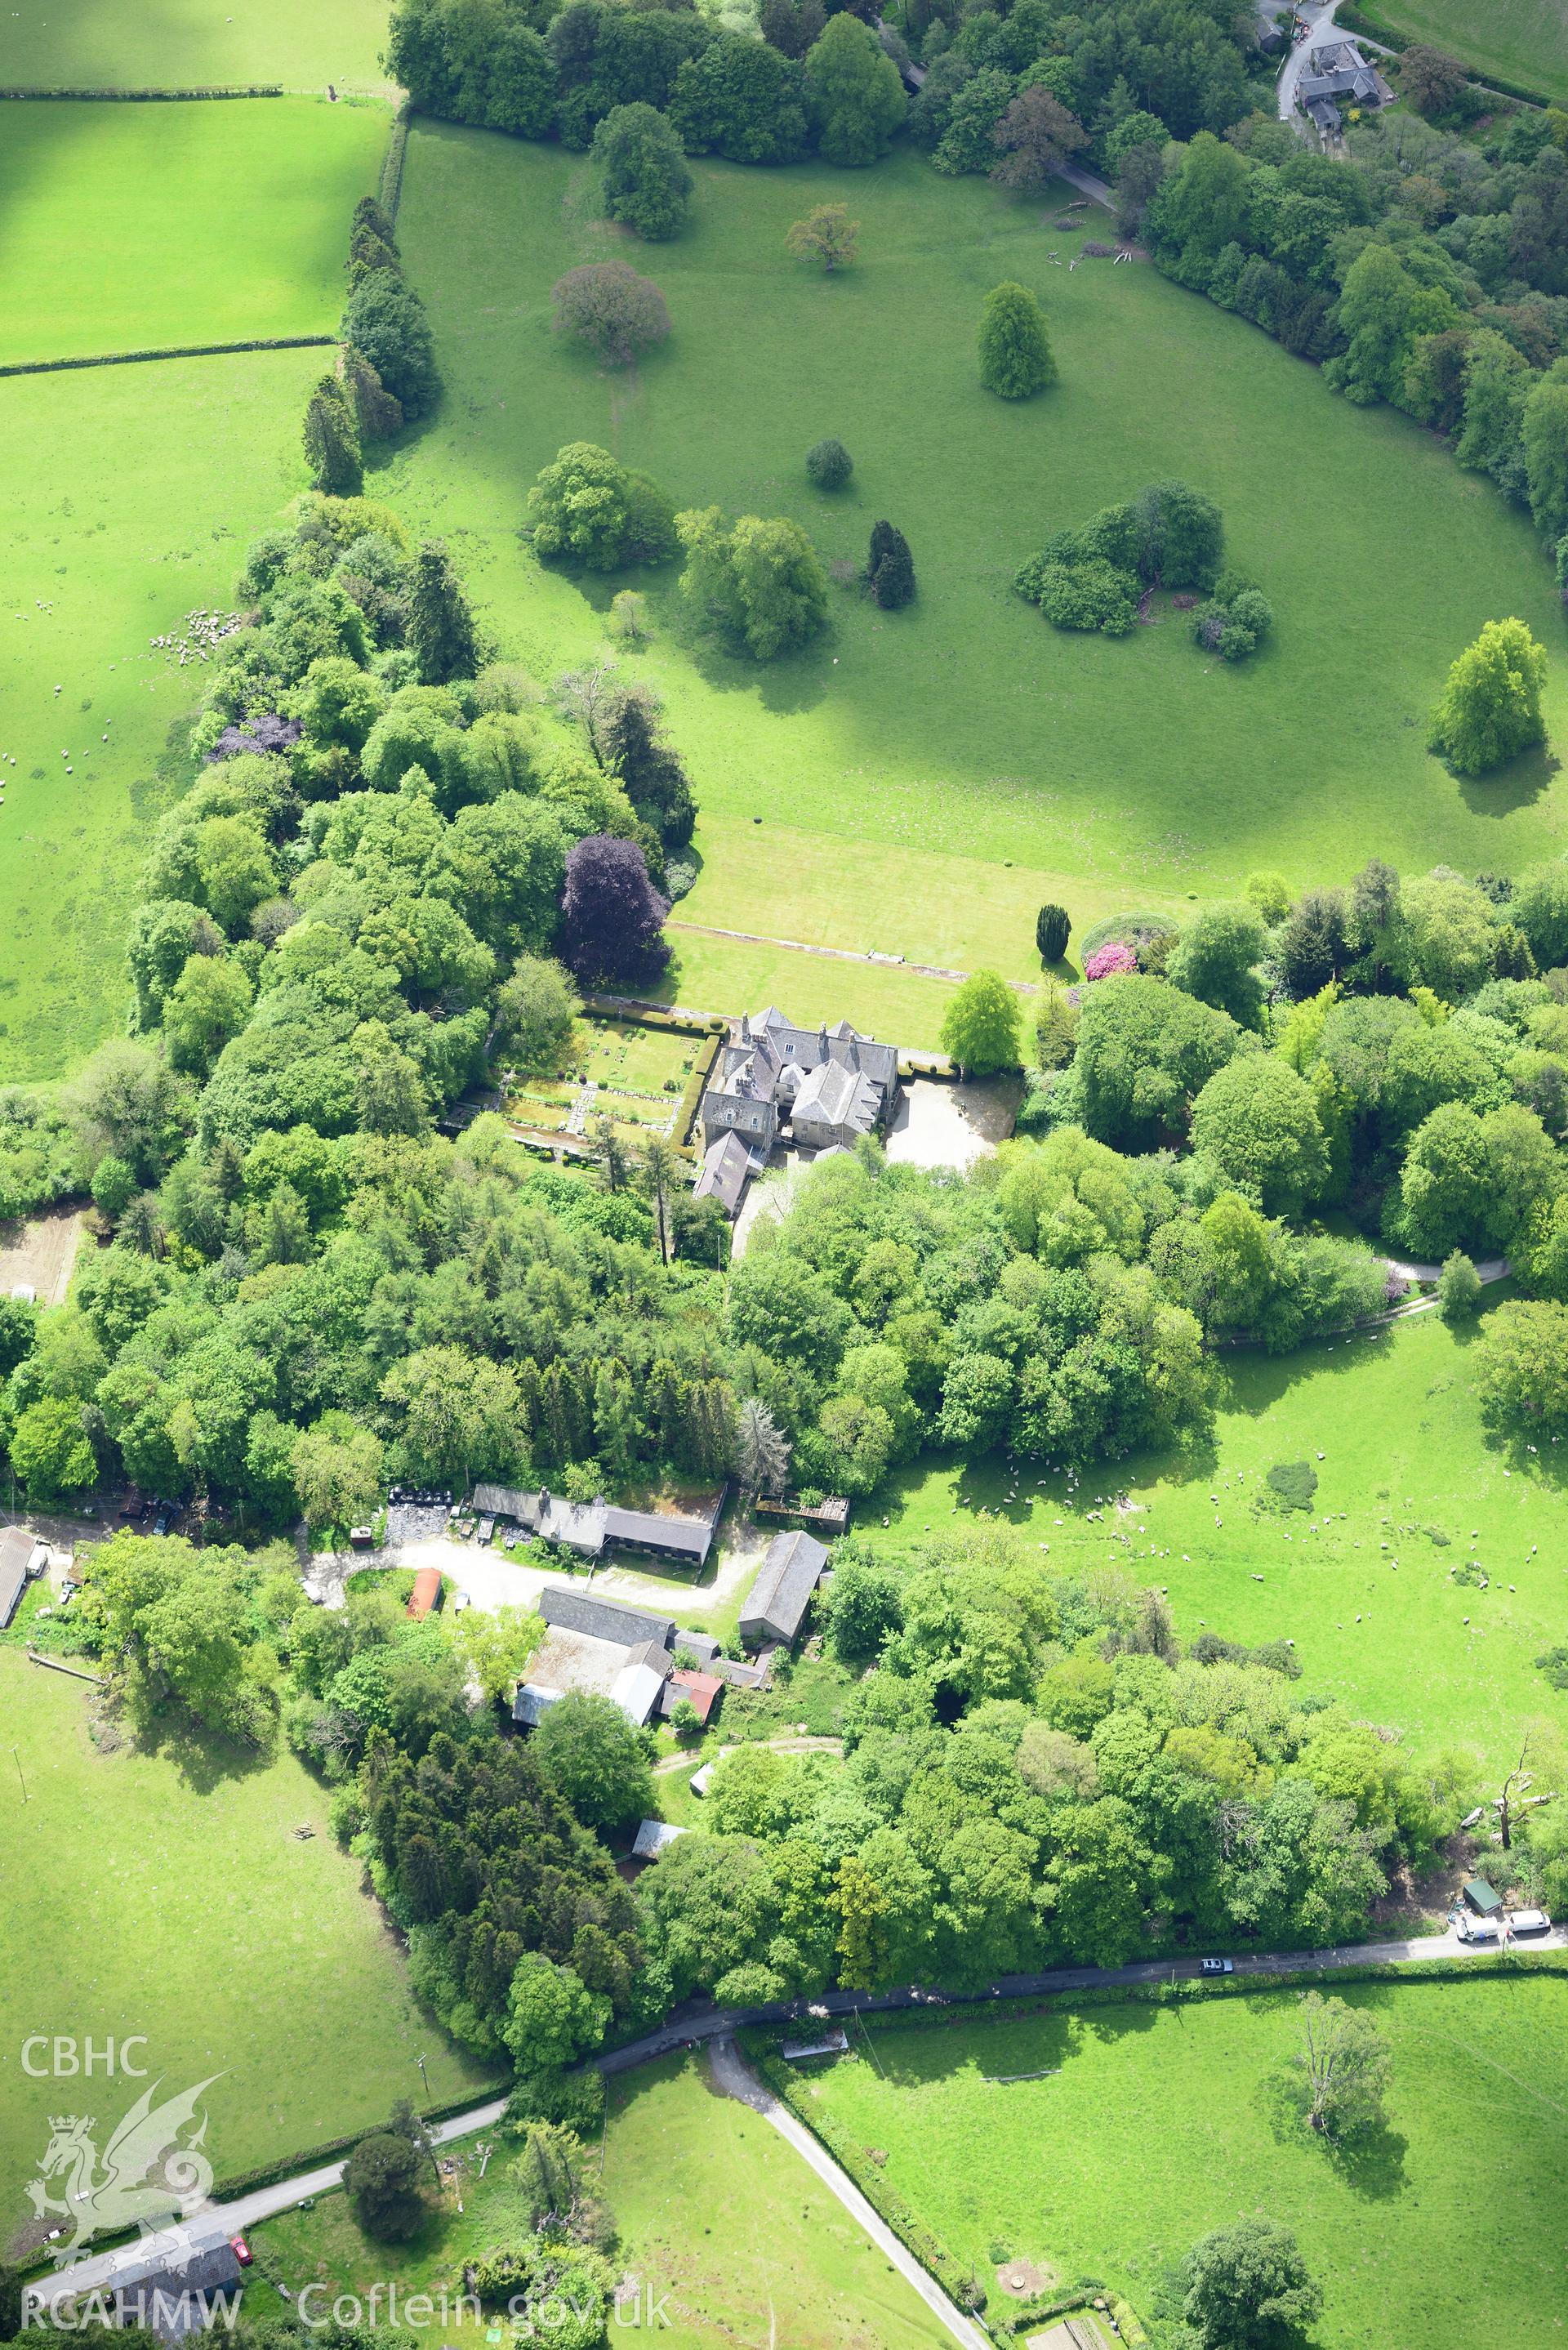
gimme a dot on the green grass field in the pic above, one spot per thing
(1525, 41)
(133, 227)
(130, 495)
(193, 44)
(159, 1893)
(916, 752)
(1395, 1418)
(714, 2213)
(1164, 2123)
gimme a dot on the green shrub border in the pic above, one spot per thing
(152, 97)
(760, 2043)
(686, 1116)
(175, 351)
(390, 193)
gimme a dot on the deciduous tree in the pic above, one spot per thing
(979, 1030)
(826, 235)
(1490, 706)
(1015, 357)
(643, 171)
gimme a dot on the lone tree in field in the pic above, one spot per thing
(761, 578)
(1035, 137)
(826, 235)
(1053, 928)
(829, 464)
(440, 620)
(614, 917)
(1246, 2287)
(891, 568)
(608, 306)
(981, 1029)
(646, 181)
(332, 441)
(1346, 2061)
(1015, 357)
(1491, 708)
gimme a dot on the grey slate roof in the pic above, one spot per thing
(586, 1526)
(605, 1620)
(835, 1095)
(778, 1599)
(689, 1538)
(726, 1165)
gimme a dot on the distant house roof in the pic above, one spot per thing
(727, 1166)
(653, 1837)
(631, 1674)
(426, 1593)
(776, 1604)
(637, 1690)
(702, 1645)
(689, 1538)
(577, 1526)
(586, 1526)
(605, 1620)
(172, 2302)
(702, 1689)
(180, 2262)
(18, 1549)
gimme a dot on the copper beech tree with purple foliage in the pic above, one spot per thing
(613, 917)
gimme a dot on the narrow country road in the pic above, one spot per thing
(735, 2077)
(693, 2024)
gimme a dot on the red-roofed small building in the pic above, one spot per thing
(426, 1593)
(703, 1690)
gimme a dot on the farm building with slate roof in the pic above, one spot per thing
(776, 1605)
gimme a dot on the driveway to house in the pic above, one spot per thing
(735, 2077)
(687, 2026)
(951, 1125)
(491, 1579)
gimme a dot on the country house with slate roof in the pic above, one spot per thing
(819, 1088)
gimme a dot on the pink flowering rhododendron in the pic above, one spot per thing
(1110, 961)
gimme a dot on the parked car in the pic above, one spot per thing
(1217, 1967)
(160, 1522)
(242, 2251)
(1530, 1921)
(1475, 1930)
(460, 1603)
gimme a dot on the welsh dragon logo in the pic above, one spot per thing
(149, 2171)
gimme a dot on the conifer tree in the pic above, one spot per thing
(440, 623)
(332, 441)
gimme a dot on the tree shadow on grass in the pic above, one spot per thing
(1517, 783)
(205, 1760)
(1372, 2164)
